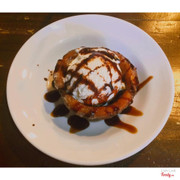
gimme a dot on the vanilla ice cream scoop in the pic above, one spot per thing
(93, 76)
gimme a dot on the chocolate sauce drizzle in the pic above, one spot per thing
(60, 110)
(83, 79)
(91, 50)
(78, 123)
(52, 96)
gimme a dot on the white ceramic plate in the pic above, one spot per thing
(98, 144)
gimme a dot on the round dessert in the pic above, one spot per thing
(96, 82)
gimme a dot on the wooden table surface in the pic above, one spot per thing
(16, 151)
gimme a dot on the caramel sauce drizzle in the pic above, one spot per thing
(142, 84)
(132, 111)
(116, 122)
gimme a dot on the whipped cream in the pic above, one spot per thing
(94, 76)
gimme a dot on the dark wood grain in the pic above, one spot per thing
(16, 151)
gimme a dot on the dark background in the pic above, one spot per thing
(16, 151)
